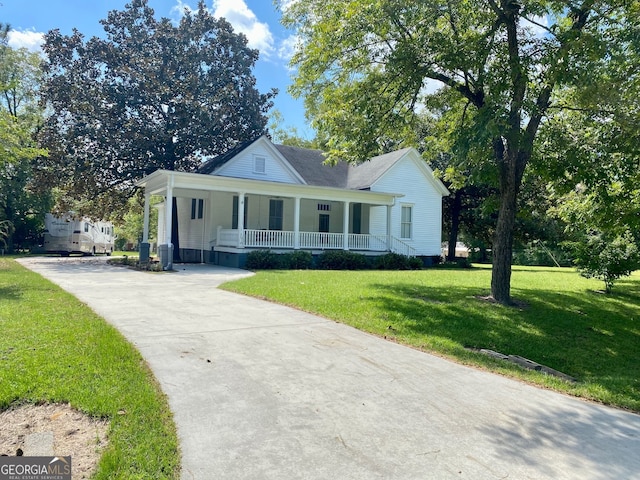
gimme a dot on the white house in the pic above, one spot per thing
(290, 200)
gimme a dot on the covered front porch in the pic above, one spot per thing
(219, 217)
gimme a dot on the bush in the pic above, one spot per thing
(606, 257)
(395, 261)
(299, 260)
(119, 243)
(263, 260)
(342, 260)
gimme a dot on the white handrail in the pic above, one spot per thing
(283, 239)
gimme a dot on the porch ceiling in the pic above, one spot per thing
(194, 184)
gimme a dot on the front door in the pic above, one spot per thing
(276, 209)
(323, 223)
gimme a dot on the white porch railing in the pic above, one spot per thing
(311, 241)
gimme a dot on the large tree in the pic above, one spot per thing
(22, 206)
(149, 95)
(363, 66)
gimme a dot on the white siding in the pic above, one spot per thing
(242, 166)
(408, 178)
(378, 220)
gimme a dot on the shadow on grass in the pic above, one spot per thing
(590, 336)
(10, 292)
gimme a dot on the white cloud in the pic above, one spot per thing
(177, 11)
(288, 47)
(244, 20)
(28, 39)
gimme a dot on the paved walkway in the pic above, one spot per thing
(261, 391)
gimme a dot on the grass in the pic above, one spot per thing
(55, 349)
(564, 323)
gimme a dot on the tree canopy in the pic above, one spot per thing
(22, 205)
(366, 68)
(150, 95)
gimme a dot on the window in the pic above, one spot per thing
(86, 227)
(406, 221)
(197, 207)
(259, 164)
(234, 214)
(324, 207)
(276, 208)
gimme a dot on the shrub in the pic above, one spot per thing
(606, 257)
(263, 260)
(342, 260)
(395, 261)
(299, 260)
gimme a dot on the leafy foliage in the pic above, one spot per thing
(395, 261)
(6, 229)
(263, 260)
(151, 95)
(22, 202)
(607, 257)
(342, 260)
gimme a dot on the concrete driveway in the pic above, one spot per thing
(261, 391)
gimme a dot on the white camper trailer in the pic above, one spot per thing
(66, 235)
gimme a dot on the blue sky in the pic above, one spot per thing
(259, 20)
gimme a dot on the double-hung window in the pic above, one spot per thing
(197, 208)
(406, 222)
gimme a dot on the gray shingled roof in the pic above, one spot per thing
(311, 167)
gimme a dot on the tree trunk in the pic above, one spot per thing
(511, 164)
(503, 246)
(455, 225)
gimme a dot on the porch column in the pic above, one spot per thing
(145, 222)
(241, 220)
(296, 223)
(168, 218)
(389, 227)
(143, 248)
(204, 228)
(345, 227)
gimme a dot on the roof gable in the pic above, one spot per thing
(243, 161)
(411, 155)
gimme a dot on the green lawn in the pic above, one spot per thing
(53, 348)
(564, 323)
